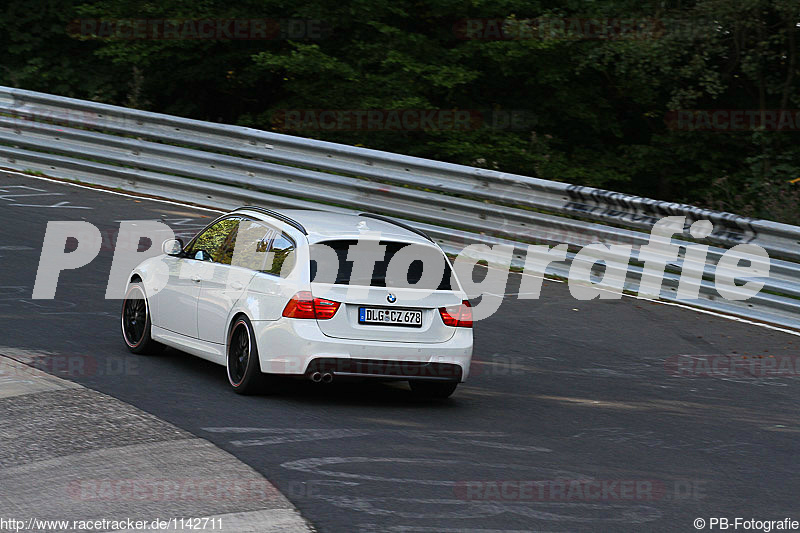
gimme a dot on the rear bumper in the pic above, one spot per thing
(386, 370)
(295, 347)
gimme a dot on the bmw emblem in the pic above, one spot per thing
(391, 298)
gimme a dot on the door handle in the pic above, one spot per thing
(196, 279)
(236, 286)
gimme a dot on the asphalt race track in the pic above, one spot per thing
(567, 393)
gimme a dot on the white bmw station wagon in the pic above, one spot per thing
(308, 294)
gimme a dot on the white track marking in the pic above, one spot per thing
(283, 435)
(302, 436)
(59, 205)
(363, 528)
(117, 193)
(626, 513)
(4, 195)
(313, 465)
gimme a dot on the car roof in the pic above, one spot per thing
(324, 225)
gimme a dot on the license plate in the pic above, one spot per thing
(390, 317)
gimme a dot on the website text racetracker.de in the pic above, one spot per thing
(127, 524)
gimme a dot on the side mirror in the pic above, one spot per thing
(172, 247)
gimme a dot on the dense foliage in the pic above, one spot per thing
(595, 109)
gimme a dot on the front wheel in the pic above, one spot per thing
(136, 321)
(244, 370)
(433, 389)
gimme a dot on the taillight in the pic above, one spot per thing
(304, 305)
(457, 316)
(325, 309)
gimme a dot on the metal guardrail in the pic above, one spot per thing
(226, 166)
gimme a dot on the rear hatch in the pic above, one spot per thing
(375, 307)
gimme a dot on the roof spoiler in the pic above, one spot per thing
(274, 214)
(396, 223)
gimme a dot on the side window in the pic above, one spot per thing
(213, 240)
(283, 256)
(248, 248)
(242, 242)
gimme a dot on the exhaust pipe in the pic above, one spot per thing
(327, 377)
(316, 377)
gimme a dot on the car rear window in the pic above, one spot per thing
(413, 274)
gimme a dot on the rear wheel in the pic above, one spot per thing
(433, 389)
(136, 321)
(244, 370)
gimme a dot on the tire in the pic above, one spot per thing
(433, 389)
(136, 321)
(243, 367)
